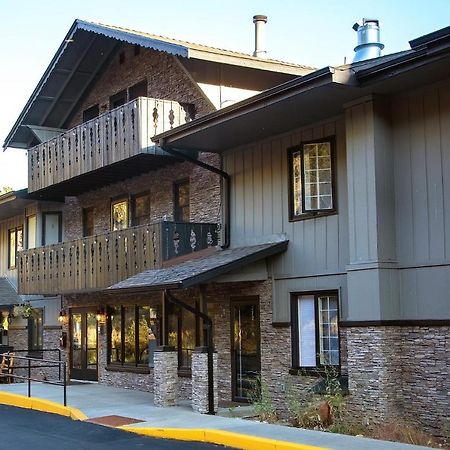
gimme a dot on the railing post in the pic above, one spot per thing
(29, 377)
(65, 383)
(59, 365)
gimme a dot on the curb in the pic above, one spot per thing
(20, 401)
(227, 438)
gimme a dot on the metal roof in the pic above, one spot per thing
(83, 54)
(8, 294)
(199, 270)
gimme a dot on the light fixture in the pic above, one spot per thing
(101, 316)
(62, 318)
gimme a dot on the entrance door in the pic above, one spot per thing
(84, 341)
(245, 346)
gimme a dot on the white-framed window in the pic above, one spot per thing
(312, 179)
(315, 330)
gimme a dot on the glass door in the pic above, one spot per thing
(245, 346)
(84, 343)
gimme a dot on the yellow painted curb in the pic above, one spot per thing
(236, 440)
(38, 404)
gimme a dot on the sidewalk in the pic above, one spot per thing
(97, 401)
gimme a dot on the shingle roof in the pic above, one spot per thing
(200, 270)
(8, 295)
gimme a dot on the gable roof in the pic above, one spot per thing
(83, 54)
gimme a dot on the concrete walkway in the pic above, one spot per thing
(96, 400)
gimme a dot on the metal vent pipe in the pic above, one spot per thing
(369, 45)
(260, 36)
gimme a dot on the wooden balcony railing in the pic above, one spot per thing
(113, 136)
(96, 262)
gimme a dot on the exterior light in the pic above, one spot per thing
(62, 318)
(101, 316)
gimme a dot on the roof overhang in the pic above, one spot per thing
(13, 203)
(84, 52)
(197, 271)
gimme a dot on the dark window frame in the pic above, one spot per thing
(133, 207)
(121, 95)
(122, 363)
(35, 350)
(136, 86)
(85, 212)
(15, 232)
(91, 113)
(115, 200)
(176, 205)
(295, 336)
(309, 214)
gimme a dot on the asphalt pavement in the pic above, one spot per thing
(23, 429)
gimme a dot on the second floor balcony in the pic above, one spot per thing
(111, 147)
(96, 262)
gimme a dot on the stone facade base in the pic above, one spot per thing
(400, 373)
(165, 376)
(200, 384)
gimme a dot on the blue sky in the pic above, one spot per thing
(316, 33)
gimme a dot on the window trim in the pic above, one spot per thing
(127, 366)
(319, 212)
(175, 189)
(11, 231)
(318, 369)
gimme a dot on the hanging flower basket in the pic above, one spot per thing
(25, 310)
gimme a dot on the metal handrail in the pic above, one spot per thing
(62, 367)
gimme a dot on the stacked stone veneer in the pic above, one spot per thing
(400, 373)
(165, 377)
(200, 384)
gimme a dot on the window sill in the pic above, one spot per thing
(312, 371)
(185, 373)
(312, 215)
(129, 369)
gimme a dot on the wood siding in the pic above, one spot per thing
(259, 208)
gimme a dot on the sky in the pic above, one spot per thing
(316, 33)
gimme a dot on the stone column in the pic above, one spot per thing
(165, 376)
(200, 380)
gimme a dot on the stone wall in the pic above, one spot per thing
(400, 373)
(166, 80)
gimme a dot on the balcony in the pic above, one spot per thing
(96, 262)
(111, 147)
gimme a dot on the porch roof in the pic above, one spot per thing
(8, 295)
(201, 270)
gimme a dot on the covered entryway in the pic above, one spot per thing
(83, 345)
(245, 347)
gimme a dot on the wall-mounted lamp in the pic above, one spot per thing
(63, 318)
(101, 316)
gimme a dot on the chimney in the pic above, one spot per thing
(369, 45)
(260, 35)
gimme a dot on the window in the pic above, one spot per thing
(52, 228)
(31, 231)
(181, 201)
(119, 215)
(315, 330)
(118, 99)
(133, 334)
(183, 333)
(312, 176)
(141, 209)
(88, 222)
(138, 90)
(15, 244)
(36, 332)
(91, 113)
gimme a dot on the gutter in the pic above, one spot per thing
(226, 177)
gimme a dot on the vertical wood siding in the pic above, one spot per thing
(5, 226)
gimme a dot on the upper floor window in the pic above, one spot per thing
(315, 330)
(312, 179)
(91, 113)
(119, 214)
(138, 90)
(141, 209)
(118, 99)
(15, 244)
(31, 231)
(88, 222)
(181, 192)
(52, 228)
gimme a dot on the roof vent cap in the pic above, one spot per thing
(369, 45)
(260, 36)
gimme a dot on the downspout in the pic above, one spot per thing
(226, 177)
(209, 341)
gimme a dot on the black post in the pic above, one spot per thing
(65, 383)
(59, 365)
(29, 377)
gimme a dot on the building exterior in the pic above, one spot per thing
(304, 225)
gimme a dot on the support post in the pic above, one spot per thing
(165, 373)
